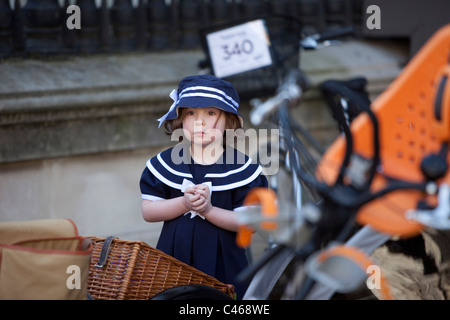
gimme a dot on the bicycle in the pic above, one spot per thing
(300, 163)
(382, 189)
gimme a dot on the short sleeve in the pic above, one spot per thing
(240, 193)
(151, 187)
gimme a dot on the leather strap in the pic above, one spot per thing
(106, 248)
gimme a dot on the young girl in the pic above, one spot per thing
(196, 188)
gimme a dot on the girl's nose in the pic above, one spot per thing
(199, 120)
(198, 125)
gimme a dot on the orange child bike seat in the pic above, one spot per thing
(414, 120)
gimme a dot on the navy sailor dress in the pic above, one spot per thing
(190, 238)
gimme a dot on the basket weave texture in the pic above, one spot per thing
(136, 271)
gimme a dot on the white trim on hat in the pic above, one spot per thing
(235, 103)
(199, 91)
(206, 95)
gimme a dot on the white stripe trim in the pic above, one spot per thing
(171, 170)
(161, 177)
(239, 183)
(210, 89)
(208, 95)
(151, 198)
(226, 174)
(242, 208)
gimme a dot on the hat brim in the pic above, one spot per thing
(195, 102)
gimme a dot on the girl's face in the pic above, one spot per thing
(202, 126)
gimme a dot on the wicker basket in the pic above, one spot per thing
(136, 271)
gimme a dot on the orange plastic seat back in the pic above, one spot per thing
(409, 129)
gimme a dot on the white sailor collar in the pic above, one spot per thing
(237, 170)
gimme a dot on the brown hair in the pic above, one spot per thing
(231, 122)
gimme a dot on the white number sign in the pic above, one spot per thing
(240, 48)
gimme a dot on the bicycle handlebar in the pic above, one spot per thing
(291, 89)
(313, 42)
(336, 33)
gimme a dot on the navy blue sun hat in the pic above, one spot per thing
(202, 91)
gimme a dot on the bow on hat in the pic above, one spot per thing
(174, 96)
(187, 184)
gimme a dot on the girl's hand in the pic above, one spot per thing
(204, 205)
(191, 200)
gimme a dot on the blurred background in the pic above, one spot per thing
(78, 108)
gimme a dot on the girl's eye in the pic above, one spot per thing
(190, 113)
(212, 113)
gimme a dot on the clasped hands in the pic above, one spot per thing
(197, 198)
